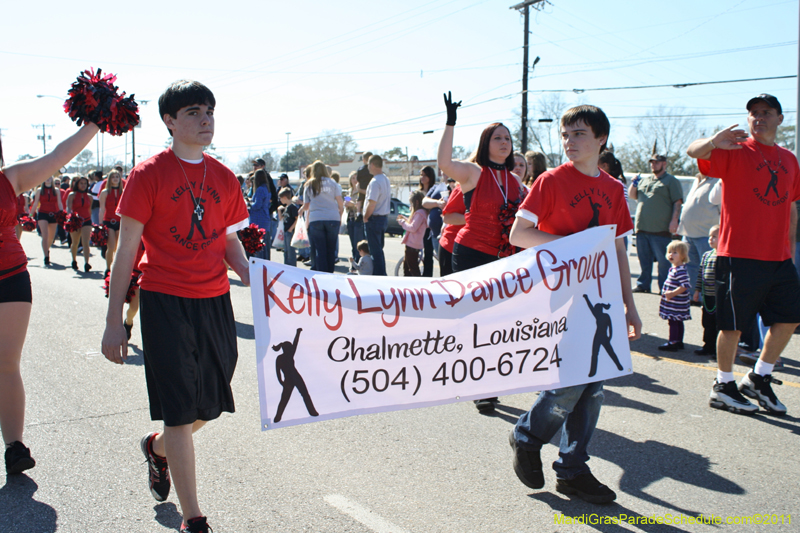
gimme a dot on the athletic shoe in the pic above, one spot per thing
(196, 525)
(527, 465)
(75, 266)
(128, 328)
(746, 356)
(159, 471)
(486, 405)
(759, 388)
(587, 488)
(18, 458)
(727, 397)
(671, 346)
(640, 290)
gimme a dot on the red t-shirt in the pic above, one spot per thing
(757, 196)
(48, 201)
(184, 255)
(564, 201)
(455, 204)
(487, 218)
(12, 257)
(82, 205)
(113, 197)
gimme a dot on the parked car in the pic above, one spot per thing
(396, 208)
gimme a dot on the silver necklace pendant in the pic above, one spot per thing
(198, 210)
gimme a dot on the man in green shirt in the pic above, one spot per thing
(659, 198)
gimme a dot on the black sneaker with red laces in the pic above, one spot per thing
(158, 478)
(196, 525)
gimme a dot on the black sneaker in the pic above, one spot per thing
(587, 488)
(128, 328)
(18, 458)
(759, 388)
(486, 405)
(196, 525)
(527, 465)
(727, 397)
(159, 471)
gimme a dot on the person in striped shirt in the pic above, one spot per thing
(705, 292)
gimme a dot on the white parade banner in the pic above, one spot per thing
(330, 345)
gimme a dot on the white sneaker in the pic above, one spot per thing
(759, 388)
(727, 397)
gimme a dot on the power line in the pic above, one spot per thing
(675, 85)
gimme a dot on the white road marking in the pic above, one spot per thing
(363, 515)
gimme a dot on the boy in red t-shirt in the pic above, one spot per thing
(755, 274)
(186, 208)
(571, 198)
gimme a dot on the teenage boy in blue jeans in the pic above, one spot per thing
(549, 212)
(186, 208)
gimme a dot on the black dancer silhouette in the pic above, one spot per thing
(196, 221)
(602, 337)
(596, 214)
(284, 364)
(773, 182)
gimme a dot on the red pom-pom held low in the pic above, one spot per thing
(252, 238)
(93, 98)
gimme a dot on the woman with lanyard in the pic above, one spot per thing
(46, 203)
(15, 290)
(79, 202)
(492, 195)
(109, 199)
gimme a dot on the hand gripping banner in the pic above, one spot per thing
(330, 346)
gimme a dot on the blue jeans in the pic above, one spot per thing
(264, 253)
(289, 251)
(697, 247)
(573, 409)
(323, 234)
(375, 228)
(355, 229)
(651, 248)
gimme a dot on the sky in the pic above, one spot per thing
(377, 69)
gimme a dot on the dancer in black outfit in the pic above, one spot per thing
(602, 337)
(291, 377)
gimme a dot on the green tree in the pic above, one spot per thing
(297, 157)
(394, 153)
(331, 147)
(785, 136)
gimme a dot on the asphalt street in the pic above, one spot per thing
(437, 469)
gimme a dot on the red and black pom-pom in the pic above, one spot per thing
(252, 238)
(131, 288)
(61, 218)
(73, 223)
(28, 224)
(93, 98)
(99, 235)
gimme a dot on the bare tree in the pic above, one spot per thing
(670, 131)
(543, 128)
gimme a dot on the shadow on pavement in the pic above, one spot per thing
(595, 516)
(135, 355)
(640, 381)
(19, 512)
(245, 331)
(167, 515)
(645, 463)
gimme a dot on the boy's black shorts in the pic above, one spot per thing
(189, 356)
(746, 287)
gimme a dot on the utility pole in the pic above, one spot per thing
(287, 150)
(524, 9)
(43, 137)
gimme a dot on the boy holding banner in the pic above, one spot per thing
(555, 208)
(186, 208)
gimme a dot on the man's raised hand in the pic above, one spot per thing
(729, 138)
